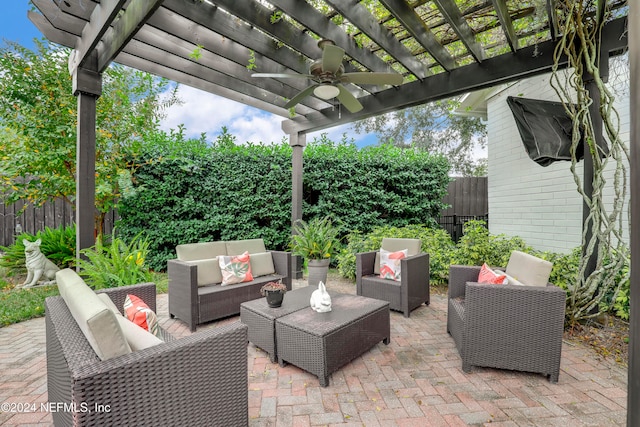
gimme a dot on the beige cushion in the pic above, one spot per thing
(262, 264)
(202, 250)
(95, 319)
(208, 271)
(528, 269)
(138, 338)
(238, 247)
(413, 247)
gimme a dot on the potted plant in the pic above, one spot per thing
(316, 241)
(274, 292)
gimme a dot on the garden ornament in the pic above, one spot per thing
(38, 266)
(320, 299)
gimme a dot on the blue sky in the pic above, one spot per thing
(201, 111)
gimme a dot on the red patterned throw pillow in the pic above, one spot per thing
(235, 269)
(139, 313)
(390, 264)
(489, 276)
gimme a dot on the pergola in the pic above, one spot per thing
(442, 48)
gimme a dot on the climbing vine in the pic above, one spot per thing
(593, 292)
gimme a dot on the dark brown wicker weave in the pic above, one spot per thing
(505, 326)
(408, 294)
(261, 319)
(195, 305)
(198, 380)
(321, 343)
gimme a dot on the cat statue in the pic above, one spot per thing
(38, 266)
(320, 299)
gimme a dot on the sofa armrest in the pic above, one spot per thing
(183, 291)
(145, 291)
(415, 276)
(459, 275)
(197, 380)
(365, 263)
(283, 266)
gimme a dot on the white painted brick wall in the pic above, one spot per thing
(539, 204)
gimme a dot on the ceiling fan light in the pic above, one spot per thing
(326, 91)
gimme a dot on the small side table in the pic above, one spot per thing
(260, 318)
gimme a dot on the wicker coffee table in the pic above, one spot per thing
(321, 343)
(260, 318)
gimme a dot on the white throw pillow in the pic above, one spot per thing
(390, 264)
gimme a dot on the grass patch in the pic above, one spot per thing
(18, 305)
(23, 304)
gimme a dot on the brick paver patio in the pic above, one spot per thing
(416, 380)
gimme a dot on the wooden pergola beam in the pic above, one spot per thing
(357, 14)
(454, 18)
(526, 62)
(408, 17)
(505, 22)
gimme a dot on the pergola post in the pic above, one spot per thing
(633, 395)
(87, 87)
(297, 141)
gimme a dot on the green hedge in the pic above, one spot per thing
(228, 191)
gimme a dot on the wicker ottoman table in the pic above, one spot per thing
(321, 343)
(260, 318)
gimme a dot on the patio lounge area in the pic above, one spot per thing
(417, 380)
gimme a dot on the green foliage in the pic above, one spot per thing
(565, 266)
(436, 242)
(373, 186)
(315, 239)
(188, 192)
(23, 304)
(38, 113)
(478, 246)
(58, 244)
(116, 264)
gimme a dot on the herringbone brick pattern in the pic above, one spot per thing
(414, 381)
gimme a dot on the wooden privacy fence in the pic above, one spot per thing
(52, 214)
(467, 196)
(469, 199)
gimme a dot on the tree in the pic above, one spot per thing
(433, 127)
(38, 115)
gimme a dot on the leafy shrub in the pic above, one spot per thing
(436, 242)
(565, 266)
(58, 244)
(478, 246)
(116, 264)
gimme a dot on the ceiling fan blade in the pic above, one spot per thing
(282, 75)
(332, 58)
(300, 96)
(372, 78)
(349, 101)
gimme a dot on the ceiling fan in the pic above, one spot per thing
(328, 76)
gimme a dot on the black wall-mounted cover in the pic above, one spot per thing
(546, 130)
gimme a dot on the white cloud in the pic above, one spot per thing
(205, 112)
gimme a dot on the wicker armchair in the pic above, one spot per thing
(505, 326)
(197, 380)
(405, 295)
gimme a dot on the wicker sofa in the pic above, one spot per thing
(511, 326)
(195, 292)
(413, 288)
(197, 380)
